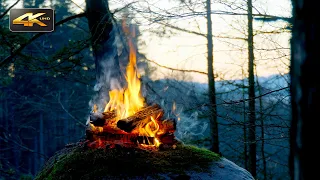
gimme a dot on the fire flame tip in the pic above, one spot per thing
(127, 101)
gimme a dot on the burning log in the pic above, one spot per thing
(140, 118)
(168, 138)
(144, 128)
(104, 129)
(168, 125)
(99, 119)
(110, 138)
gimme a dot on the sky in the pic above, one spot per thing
(188, 51)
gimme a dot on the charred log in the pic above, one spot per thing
(145, 140)
(105, 130)
(128, 126)
(168, 139)
(99, 119)
(121, 138)
(140, 118)
(168, 125)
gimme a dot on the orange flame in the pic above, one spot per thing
(129, 100)
(150, 130)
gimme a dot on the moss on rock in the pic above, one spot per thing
(105, 163)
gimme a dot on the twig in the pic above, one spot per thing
(124, 7)
(5, 12)
(243, 100)
(77, 120)
(198, 33)
(174, 69)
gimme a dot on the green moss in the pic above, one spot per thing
(26, 177)
(91, 164)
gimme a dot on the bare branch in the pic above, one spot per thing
(124, 7)
(74, 118)
(183, 30)
(193, 14)
(6, 11)
(256, 97)
(174, 69)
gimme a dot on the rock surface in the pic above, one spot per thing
(222, 170)
(183, 162)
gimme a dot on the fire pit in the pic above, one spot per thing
(126, 119)
(146, 129)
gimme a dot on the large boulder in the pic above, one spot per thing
(223, 169)
(183, 162)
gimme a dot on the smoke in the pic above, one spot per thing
(190, 128)
(108, 72)
(111, 67)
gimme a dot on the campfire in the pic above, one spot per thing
(127, 120)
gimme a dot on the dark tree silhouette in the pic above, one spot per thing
(251, 95)
(102, 39)
(211, 83)
(305, 87)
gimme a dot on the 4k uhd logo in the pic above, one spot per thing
(31, 20)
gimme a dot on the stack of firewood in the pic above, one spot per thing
(105, 127)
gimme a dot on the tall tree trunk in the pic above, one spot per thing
(251, 93)
(264, 162)
(41, 139)
(102, 40)
(65, 117)
(36, 154)
(211, 83)
(14, 130)
(305, 88)
(1, 6)
(245, 141)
